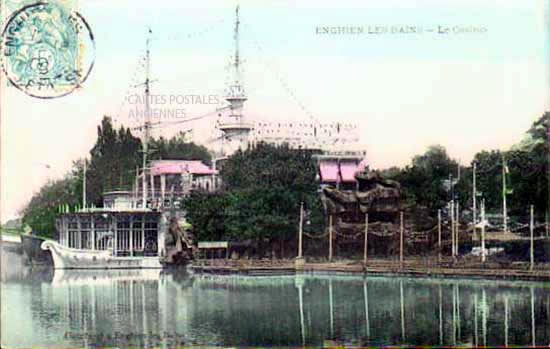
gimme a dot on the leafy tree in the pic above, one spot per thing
(206, 213)
(527, 179)
(114, 159)
(262, 190)
(41, 211)
(425, 181)
(112, 165)
(489, 178)
(177, 148)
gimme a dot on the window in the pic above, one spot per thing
(85, 232)
(72, 228)
(151, 235)
(102, 234)
(122, 235)
(137, 233)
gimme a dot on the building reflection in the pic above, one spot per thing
(150, 308)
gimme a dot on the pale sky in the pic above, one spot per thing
(465, 91)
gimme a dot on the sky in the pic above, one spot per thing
(473, 76)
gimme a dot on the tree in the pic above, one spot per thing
(177, 148)
(114, 159)
(260, 199)
(423, 182)
(43, 208)
(206, 213)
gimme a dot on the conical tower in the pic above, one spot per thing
(234, 127)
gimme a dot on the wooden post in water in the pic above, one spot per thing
(532, 246)
(439, 234)
(301, 301)
(401, 239)
(366, 238)
(330, 238)
(300, 230)
(331, 309)
(475, 320)
(458, 309)
(506, 321)
(366, 296)
(454, 314)
(440, 316)
(533, 339)
(402, 311)
(484, 317)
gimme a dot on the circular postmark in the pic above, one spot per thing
(47, 50)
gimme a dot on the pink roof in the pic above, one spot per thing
(348, 169)
(180, 166)
(329, 171)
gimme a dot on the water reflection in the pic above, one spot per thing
(153, 308)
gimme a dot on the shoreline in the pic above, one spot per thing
(378, 267)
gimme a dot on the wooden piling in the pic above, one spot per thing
(533, 338)
(366, 238)
(532, 246)
(330, 238)
(301, 230)
(401, 239)
(439, 234)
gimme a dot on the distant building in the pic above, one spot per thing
(168, 180)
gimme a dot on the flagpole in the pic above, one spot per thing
(504, 170)
(474, 201)
(84, 187)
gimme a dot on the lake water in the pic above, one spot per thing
(153, 308)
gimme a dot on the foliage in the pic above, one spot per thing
(41, 211)
(263, 188)
(205, 213)
(114, 159)
(527, 180)
(112, 166)
(177, 148)
(530, 170)
(423, 182)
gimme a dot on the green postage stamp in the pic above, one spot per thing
(47, 48)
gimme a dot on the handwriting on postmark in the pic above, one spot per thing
(48, 51)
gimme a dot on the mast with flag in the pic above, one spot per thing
(147, 122)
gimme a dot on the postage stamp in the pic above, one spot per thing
(48, 50)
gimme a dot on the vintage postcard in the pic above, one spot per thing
(274, 173)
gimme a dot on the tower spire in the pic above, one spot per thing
(235, 89)
(235, 130)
